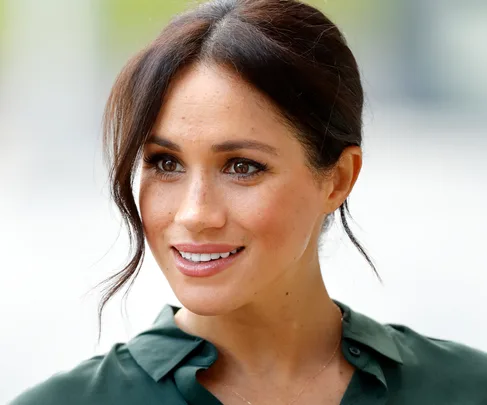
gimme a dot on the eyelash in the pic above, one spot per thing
(153, 160)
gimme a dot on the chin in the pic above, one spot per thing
(207, 303)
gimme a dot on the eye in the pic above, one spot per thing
(244, 168)
(168, 165)
(164, 164)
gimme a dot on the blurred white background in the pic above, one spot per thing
(420, 203)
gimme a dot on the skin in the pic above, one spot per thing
(269, 314)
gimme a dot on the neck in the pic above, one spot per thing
(291, 332)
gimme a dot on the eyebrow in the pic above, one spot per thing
(163, 142)
(227, 146)
(231, 146)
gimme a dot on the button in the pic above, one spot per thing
(354, 351)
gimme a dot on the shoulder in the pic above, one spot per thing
(444, 364)
(428, 351)
(99, 380)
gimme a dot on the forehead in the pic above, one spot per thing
(212, 101)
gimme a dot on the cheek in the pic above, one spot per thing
(282, 217)
(156, 209)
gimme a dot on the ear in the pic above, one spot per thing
(340, 182)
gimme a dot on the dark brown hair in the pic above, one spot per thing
(287, 50)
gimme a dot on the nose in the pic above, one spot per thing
(201, 208)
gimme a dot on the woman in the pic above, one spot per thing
(246, 118)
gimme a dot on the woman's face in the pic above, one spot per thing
(222, 173)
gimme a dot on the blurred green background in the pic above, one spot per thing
(402, 45)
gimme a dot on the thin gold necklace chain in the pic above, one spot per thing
(307, 381)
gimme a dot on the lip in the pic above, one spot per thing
(206, 248)
(204, 269)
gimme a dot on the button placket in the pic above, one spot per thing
(354, 351)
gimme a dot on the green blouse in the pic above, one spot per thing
(394, 365)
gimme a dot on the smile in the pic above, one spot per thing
(206, 260)
(206, 257)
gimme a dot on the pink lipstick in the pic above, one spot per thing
(205, 260)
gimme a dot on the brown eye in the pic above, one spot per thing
(244, 168)
(169, 165)
(241, 168)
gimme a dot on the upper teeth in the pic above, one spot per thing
(205, 257)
